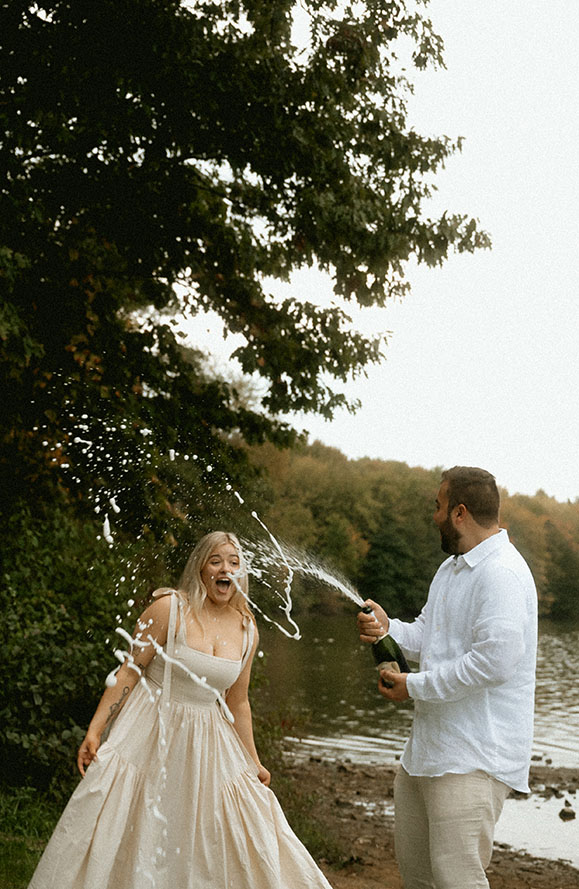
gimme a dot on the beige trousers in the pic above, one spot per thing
(444, 828)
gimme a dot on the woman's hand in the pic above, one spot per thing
(263, 775)
(87, 751)
(372, 626)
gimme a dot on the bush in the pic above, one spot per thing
(63, 593)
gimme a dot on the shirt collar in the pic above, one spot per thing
(482, 550)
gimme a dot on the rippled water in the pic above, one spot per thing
(557, 696)
(330, 675)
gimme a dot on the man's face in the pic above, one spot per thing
(449, 535)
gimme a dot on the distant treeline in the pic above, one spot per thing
(64, 589)
(372, 520)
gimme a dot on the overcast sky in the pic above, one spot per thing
(482, 366)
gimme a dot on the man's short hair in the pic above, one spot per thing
(477, 490)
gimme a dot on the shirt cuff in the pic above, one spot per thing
(414, 685)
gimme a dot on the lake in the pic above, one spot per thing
(330, 678)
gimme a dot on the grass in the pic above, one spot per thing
(27, 818)
(298, 806)
(17, 862)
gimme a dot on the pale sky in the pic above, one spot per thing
(482, 365)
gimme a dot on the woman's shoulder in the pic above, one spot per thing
(160, 607)
(245, 617)
(246, 622)
(249, 625)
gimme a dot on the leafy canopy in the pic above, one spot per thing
(162, 157)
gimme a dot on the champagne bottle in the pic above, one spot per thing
(387, 653)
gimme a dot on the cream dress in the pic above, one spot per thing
(173, 800)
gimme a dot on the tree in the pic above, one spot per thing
(562, 587)
(162, 157)
(404, 551)
(389, 566)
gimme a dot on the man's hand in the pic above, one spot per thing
(399, 691)
(372, 626)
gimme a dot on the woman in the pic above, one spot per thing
(176, 796)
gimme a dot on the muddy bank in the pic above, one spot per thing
(355, 802)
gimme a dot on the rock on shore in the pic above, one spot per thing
(355, 802)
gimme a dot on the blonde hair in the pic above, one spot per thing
(191, 587)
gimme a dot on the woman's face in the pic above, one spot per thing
(223, 561)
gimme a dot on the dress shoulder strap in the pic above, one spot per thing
(169, 650)
(249, 636)
(181, 633)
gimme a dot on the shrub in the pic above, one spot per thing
(61, 597)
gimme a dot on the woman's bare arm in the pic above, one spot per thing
(152, 624)
(238, 702)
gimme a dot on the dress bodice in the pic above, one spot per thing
(195, 675)
(188, 668)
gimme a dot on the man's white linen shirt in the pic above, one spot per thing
(476, 643)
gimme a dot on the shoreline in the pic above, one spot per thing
(355, 803)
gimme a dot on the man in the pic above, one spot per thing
(475, 641)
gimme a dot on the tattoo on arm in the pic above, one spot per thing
(114, 708)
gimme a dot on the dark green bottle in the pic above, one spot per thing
(387, 653)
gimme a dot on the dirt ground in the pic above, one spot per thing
(350, 800)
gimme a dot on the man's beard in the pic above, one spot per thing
(449, 538)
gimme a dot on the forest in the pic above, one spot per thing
(158, 160)
(70, 577)
(372, 520)
(162, 159)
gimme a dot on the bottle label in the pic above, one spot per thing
(389, 665)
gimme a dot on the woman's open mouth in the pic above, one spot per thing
(223, 584)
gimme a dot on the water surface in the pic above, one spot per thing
(330, 676)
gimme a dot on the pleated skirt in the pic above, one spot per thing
(174, 802)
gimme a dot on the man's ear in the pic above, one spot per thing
(460, 512)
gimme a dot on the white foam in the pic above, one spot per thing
(107, 530)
